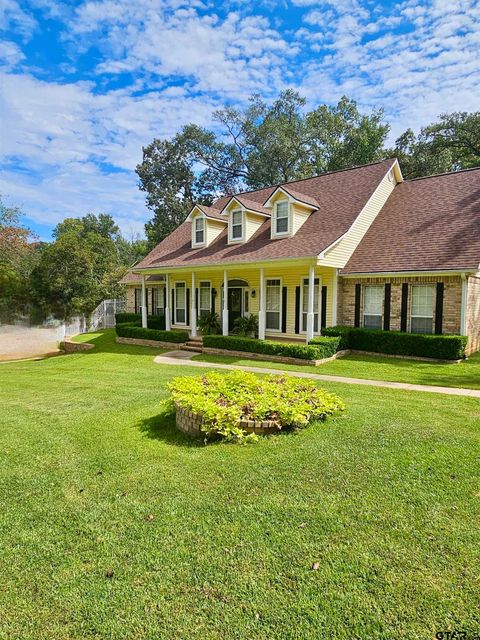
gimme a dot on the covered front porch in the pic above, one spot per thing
(292, 300)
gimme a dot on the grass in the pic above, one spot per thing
(464, 374)
(218, 541)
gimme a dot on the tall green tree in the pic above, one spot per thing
(83, 265)
(450, 144)
(253, 147)
(17, 257)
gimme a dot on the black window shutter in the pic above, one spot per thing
(213, 300)
(173, 306)
(323, 315)
(136, 300)
(386, 306)
(154, 311)
(297, 309)
(284, 310)
(188, 306)
(358, 295)
(439, 308)
(403, 308)
(164, 298)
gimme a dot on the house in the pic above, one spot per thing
(359, 247)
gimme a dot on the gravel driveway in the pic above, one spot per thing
(18, 342)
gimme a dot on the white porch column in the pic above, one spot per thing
(193, 309)
(144, 304)
(310, 314)
(225, 304)
(261, 309)
(168, 316)
(335, 298)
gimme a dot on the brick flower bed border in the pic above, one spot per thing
(191, 423)
(72, 347)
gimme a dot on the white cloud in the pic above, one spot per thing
(13, 17)
(10, 54)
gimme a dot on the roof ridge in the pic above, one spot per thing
(444, 173)
(321, 175)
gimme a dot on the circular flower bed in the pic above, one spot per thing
(237, 403)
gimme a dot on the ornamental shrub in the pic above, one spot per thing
(323, 349)
(224, 399)
(153, 322)
(442, 347)
(134, 331)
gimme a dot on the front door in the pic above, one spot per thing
(234, 306)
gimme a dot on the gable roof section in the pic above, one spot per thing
(427, 224)
(210, 212)
(296, 195)
(250, 205)
(343, 194)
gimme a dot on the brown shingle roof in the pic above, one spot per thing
(251, 205)
(341, 194)
(301, 197)
(426, 224)
(135, 278)
(211, 212)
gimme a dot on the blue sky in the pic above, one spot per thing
(83, 85)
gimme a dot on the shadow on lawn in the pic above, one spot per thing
(162, 427)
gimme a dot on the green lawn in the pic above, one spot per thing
(218, 541)
(465, 374)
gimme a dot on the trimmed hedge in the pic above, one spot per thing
(153, 322)
(323, 349)
(441, 347)
(131, 330)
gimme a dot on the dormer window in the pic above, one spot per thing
(199, 231)
(281, 219)
(236, 227)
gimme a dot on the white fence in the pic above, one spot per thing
(103, 317)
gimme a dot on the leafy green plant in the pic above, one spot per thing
(223, 400)
(153, 322)
(442, 347)
(129, 330)
(209, 324)
(325, 348)
(246, 326)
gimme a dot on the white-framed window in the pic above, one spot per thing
(236, 225)
(158, 301)
(204, 297)
(282, 214)
(422, 302)
(373, 296)
(316, 305)
(199, 230)
(180, 303)
(273, 304)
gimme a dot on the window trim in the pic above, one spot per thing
(282, 234)
(231, 239)
(319, 310)
(280, 312)
(194, 231)
(176, 307)
(209, 308)
(410, 298)
(157, 298)
(365, 287)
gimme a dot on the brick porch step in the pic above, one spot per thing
(193, 345)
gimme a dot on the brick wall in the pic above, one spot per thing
(452, 300)
(130, 300)
(473, 314)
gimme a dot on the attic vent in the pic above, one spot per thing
(390, 175)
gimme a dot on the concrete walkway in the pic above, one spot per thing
(185, 358)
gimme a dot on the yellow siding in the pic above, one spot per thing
(214, 229)
(252, 224)
(291, 277)
(299, 216)
(339, 255)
